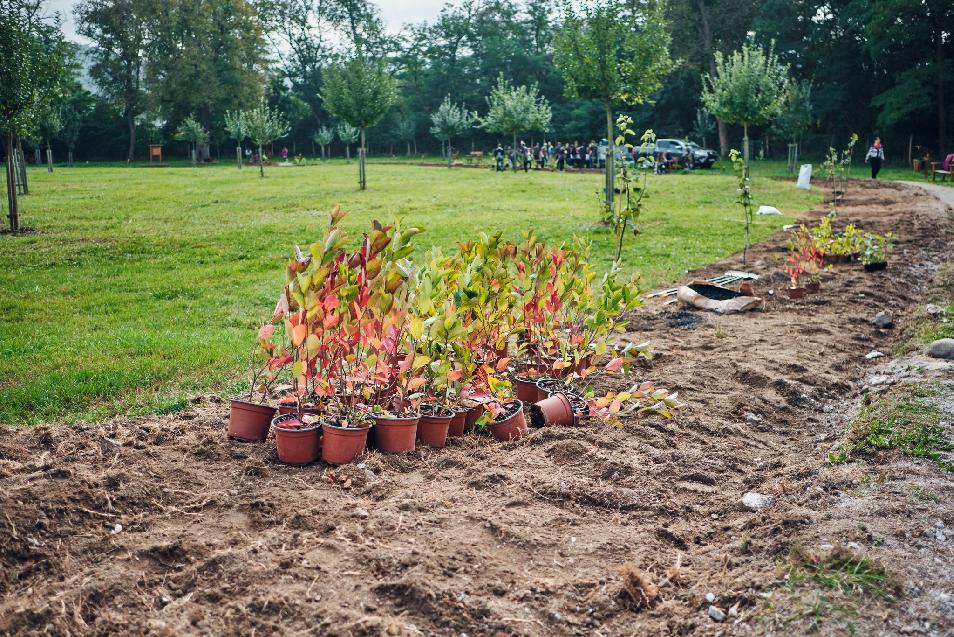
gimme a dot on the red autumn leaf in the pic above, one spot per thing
(330, 321)
(331, 303)
(614, 365)
(415, 383)
(502, 363)
(299, 332)
(454, 375)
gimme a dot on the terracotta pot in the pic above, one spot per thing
(455, 429)
(341, 445)
(746, 288)
(295, 445)
(547, 386)
(249, 421)
(470, 419)
(813, 287)
(874, 267)
(555, 410)
(395, 435)
(525, 389)
(796, 293)
(512, 428)
(432, 430)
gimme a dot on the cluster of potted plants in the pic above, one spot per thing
(812, 248)
(368, 341)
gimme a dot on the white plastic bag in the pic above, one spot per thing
(768, 210)
(804, 177)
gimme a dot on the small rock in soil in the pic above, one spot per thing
(934, 310)
(752, 418)
(883, 320)
(716, 613)
(710, 597)
(942, 348)
(874, 354)
(756, 501)
(360, 513)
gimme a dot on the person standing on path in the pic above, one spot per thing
(875, 156)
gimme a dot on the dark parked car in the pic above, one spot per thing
(688, 154)
(702, 157)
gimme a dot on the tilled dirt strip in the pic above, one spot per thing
(163, 526)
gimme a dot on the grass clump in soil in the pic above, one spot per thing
(924, 329)
(830, 586)
(908, 419)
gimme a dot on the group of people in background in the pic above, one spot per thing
(555, 155)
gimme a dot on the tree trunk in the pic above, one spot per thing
(49, 159)
(409, 149)
(131, 124)
(69, 158)
(261, 162)
(362, 177)
(449, 156)
(610, 157)
(13, 213)
(348, 153)
(36, 155)
(238, 156)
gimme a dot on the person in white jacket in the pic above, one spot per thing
(875, 156)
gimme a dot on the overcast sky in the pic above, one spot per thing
(395, 12)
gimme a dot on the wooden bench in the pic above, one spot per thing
(475, 157)
(935, 171)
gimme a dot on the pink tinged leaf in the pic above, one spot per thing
(281, 308)
(415, 383)
(615, 406)
(265, 332)
(454, 375)
(614, 365)
(299, 332)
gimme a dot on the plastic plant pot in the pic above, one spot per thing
(555, 410)
(513, 425)
(470, 420)
(297, 444)
(796, 293)
(813, 288)
(455, 429)
(395, 435)
(525, 389)
(432, 429)
(874, 267)
(341, 445)
(249, 421)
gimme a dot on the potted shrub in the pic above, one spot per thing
(874, 251)
(794, 270)
(504, 416)
(845, 246)
(296, 438)
(249, 419)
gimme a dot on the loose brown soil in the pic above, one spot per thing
(163, 526)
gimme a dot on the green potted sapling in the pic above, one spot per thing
(874, 251)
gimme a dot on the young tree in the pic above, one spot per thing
(32, 68)
(50, 125)
(407, 130)
(192, 131)
(118, 30)
(515, 109)
(323, 138)
(613, 51)
(795, 117)
(359, 92)
(263, 126)
(235, 127)
(348, 135)
(72, 118)
(449, 121)
(749, 88)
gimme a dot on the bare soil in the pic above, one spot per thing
(163, 526)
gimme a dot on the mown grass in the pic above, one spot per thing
(908, 419)
(142, 285)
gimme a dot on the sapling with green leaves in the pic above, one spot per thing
(449, 121)
(348, 135)
(515, 109)
(624, 212)
(749, 87)
(235, 127)
(744, 196)
(323, 137)
(263, 125)
(191, 130)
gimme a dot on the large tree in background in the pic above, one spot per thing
(360, 91)
(118, 31)
(205, 57)
(516, 109)
(613, 52)
(749, 88)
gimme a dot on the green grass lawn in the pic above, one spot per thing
(144, 285)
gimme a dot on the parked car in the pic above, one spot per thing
(702, 157)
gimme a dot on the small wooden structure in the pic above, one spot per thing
(475, 157)
(936, 169)
(155, 150)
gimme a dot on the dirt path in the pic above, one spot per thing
(162, 526)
